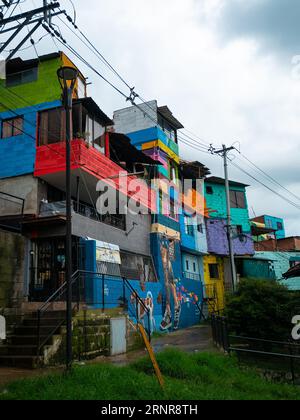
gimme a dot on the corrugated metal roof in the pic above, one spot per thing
(221, 181)
(165, 112)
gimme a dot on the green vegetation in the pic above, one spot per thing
(262, 309)
(188, 377)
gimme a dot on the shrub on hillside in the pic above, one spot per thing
(262, 309)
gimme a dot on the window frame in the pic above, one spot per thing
(13, 128)
(235, 199)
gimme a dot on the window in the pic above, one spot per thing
(22, 77)
(173, 172)
(189, 228)
(237, 199)
(172, 208)
(52, 126)
(187, 264)
(12, 127)
(200, 228)
(279, 226)
(237, 230)
(214, 271)
(209, 190)
(194, 267)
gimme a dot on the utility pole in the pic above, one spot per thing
(67, 77)
(17, 22)
(224, 153)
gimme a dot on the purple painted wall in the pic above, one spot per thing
(217, 239)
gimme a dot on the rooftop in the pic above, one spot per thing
(165, 112)
(221, 181)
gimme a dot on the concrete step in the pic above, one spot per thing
(27, 362)
(44, 322)
(18, 350)
(28, 340)
(33, 330)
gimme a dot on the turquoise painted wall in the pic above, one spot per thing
(217, 203)
(272, 222)
(274, 266)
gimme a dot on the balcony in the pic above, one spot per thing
(192, 276)
(59, 209)
(90, 166)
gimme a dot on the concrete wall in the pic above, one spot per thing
(13, 251)
(137, 241)
(132, 119)
(25, 187)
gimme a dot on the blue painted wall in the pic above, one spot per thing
(17, 154)
(152, 134)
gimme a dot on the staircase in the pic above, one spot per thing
(28, 345)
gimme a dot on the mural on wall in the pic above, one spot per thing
(182, 296)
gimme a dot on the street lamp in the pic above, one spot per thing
(67, 77)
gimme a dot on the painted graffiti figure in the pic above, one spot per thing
(170, 288)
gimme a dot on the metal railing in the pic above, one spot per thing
(269, 355)
(90, 290)
(86, 210)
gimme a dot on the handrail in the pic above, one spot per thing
(56, 293)
(62, 289)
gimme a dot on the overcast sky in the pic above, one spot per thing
(224, 67)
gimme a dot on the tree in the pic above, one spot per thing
(262, 309)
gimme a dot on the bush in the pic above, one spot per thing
(262, 309)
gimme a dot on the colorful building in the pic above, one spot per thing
(217, 272)
(176, 252)
(32, 189)
(275, 224)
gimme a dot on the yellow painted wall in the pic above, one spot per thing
(217, 283)
(163, 147)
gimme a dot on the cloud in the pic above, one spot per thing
(225, 91)
(273, 24)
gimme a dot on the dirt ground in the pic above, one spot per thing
(195, 339)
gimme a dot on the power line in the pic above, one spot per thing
(267, 187)
(269, 176)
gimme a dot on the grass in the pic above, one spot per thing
(202, 376)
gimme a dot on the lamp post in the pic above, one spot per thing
(67, 77)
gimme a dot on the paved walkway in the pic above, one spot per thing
(191, 340)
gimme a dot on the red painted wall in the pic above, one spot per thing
(52, 159)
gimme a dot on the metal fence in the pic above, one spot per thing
(277, 359)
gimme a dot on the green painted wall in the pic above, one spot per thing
(45, 89)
